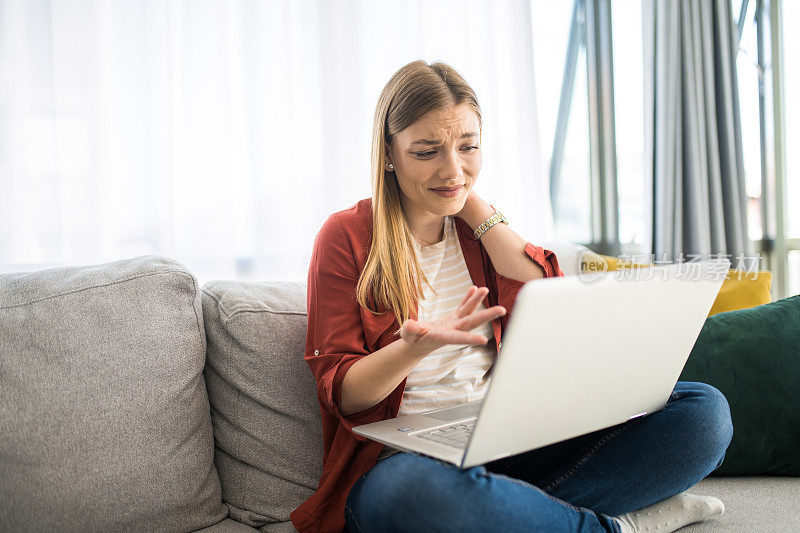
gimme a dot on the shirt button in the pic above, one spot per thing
(316, 352)
(499, 344)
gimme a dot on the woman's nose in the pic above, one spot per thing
(451, 165)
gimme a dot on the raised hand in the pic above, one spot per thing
(454, 328)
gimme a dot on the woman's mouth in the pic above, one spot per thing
(448, 192)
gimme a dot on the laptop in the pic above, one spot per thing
(578, 355)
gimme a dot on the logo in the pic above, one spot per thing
(592, 267)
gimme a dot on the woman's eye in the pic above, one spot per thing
(429, 154)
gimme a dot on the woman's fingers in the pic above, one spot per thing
(479, 317)
(471, 301)
(414, 331)
(466, 299)
(455, 330)
(454, 336)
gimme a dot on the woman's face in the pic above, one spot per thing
(441, 149)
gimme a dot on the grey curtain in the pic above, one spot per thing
(693, 144)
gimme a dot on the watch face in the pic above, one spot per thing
(497, 217)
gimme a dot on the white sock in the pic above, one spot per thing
(671, 514)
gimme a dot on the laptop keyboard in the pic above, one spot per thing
(456, 435)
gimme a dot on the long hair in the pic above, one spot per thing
(392, 278)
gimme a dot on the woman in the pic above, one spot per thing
(405, 257)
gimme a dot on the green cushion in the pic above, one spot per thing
(753, 357)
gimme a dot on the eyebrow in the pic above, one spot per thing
(435, 142)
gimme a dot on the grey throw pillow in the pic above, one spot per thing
(264, 409)
(104, 415)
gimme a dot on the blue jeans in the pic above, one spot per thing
(574, 485)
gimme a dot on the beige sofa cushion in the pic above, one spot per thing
(104, 416)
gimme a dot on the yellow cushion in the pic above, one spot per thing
(740, 290)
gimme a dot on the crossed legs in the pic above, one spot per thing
(575, 485)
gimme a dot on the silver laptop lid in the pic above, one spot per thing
(583, 354)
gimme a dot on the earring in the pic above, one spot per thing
(391, 166)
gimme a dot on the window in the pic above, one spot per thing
(626, 28)
(769, 128)
(552, 23)
(791, 65)
(562, 63)
(747, 73)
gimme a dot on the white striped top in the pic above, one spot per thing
(453, 374)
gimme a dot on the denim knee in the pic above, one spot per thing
(392, 489)
(712, 423)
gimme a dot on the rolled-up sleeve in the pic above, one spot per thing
(335, 337)
(508, 288)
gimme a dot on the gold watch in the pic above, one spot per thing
(489, 222)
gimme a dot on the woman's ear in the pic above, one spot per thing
(387, 160)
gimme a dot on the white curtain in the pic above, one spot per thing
(223, 133)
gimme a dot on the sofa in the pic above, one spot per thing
(131, 399)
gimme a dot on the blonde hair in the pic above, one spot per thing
(391, 276)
